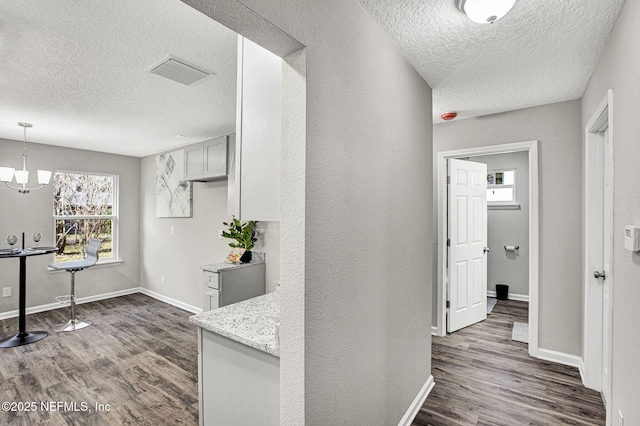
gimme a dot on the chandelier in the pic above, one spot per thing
(7, 174)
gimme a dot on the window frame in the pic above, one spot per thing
(504, 204)
(114, 217)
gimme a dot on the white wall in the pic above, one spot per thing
(509, 227)
(368, 211)
(33, 212)
(618, 70)
(558, 128)
(195, 241)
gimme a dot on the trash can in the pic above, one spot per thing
(502, 291)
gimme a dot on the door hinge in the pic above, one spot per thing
(448, 180)
(448, 304)
(448, 242)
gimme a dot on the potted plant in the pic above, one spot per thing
(244, 235)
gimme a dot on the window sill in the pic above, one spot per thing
(104, 263)
(504, 207)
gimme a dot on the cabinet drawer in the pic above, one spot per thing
(212, 279)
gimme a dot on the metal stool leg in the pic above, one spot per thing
(73, 323)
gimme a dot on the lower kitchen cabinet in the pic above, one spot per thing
(239, 385)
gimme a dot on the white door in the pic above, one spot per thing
(607, 278)
(467, 234)
(598, 297)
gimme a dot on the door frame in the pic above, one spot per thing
(593, 331)
(532, 148)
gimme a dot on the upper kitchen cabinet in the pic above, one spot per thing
(209, 160)
(254, 188)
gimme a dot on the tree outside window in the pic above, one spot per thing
(83, 208)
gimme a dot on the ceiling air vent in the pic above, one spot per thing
(178, 70)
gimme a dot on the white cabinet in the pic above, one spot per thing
(208, 160)
(254, 188)
(238, 384)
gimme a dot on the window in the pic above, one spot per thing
(501, 188)
(84, 207)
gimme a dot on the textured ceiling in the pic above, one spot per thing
(76, 70)
(541, 52)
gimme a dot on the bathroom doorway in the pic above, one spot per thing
(512, 194)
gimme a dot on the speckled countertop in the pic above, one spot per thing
(254, 322)
(257, 258)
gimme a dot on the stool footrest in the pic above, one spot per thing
(68, 298)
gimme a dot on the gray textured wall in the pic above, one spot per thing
(509, 227)
(558, 128)
(33, 212)
(618, 70)
(368, 218)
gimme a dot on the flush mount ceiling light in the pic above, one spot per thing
(22, 176)
(485, 11)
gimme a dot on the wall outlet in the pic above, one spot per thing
(162, 277)
(219, 234)
(6, 292)
(620, 418)
(173, 230)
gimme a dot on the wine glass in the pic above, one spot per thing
(12, 239)
(37, 237)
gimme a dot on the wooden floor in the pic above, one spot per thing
(484, 378)
(139, 356)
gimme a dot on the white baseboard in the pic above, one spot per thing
(519, 297)
(170, 301)
(80, 300)
(434, 331)
(582, 372)
(561, 358)
(417, 403)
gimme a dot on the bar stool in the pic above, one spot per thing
(73, 267)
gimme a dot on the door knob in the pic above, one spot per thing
(486, 250)
(599, 274)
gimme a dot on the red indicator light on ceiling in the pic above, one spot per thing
(449, 116)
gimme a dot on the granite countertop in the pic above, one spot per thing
(253, 322)
(257, 258)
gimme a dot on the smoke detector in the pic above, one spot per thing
(179, 71)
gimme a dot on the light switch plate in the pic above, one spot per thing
(6, 292)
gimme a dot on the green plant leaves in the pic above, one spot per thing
(243, 233)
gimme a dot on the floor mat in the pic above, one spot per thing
(491, 303)
(520, 332)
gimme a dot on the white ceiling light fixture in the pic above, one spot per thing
(22, 176)
(485, 11)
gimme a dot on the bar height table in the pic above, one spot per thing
(24, 337)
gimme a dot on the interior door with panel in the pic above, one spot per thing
(607, 275)
(467, 239)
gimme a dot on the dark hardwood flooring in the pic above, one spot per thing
(139, 356)
(483, 378)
